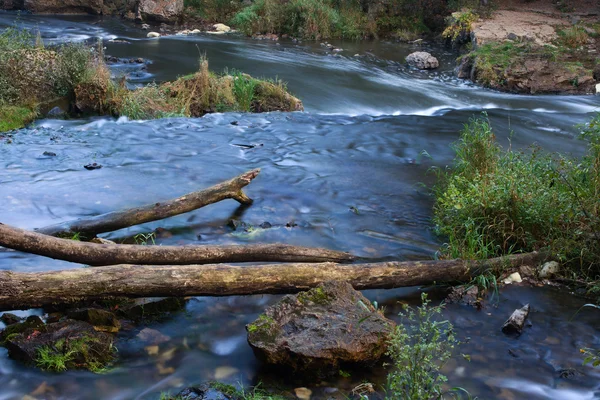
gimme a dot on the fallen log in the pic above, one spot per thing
(111, 254)
(19, 290)
(89, 227)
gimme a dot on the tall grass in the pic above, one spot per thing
(496, 201)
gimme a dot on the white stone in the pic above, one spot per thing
(303, 393)
(597, 88)
(422, 60)
(549, 269)
(221, 28)
(216, 32)
(514, 277)
(195, 31)
(153, 34)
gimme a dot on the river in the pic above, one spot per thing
(352, 173)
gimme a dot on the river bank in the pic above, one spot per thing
(536, 47)
(347, 174)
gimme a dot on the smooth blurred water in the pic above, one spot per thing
(372, 131)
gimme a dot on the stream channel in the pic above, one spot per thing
(351, 172)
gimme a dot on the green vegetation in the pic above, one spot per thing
(496, 202)
(31, 75)
(591, 357)
(67, 354)
(459, 24)
(419, 348)
(15, 117)
(316, 295)
(573, 37)
(327, 19)
(264, 324)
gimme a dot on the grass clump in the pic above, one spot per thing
(496, 202)
(15, 117)
(419, 348)
(67, 354)
(573, 37)
(458, 28)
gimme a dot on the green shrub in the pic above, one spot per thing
(420, 346)
(496, 201)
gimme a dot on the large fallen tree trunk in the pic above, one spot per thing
(111, 254)
(26, 290)
(89, 227)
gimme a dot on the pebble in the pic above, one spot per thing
(303, 393)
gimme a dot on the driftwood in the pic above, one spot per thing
(89, 227)
(20, 290)
(111, 254)
(516, 322)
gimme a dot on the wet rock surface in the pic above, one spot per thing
(101, 320)
(319, 330)
(206, 391)
(67, 344)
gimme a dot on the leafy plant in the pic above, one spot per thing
(420, 346)
(142, 239)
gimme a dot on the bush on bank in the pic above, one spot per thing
(496, 201)
(32, 76)
(328, 19)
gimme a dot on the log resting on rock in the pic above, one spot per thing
(19, 290)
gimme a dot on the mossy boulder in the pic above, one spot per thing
(320, 330)
(61, 346)
(32, 322)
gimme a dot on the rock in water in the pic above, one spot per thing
(62, 345)
(208, 391)
(221, 28)
(320, 329)
(515, 323)
(160, 10)
(422, 60)
(101, 320)
(153, 35)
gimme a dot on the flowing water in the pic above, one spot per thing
(351, 173)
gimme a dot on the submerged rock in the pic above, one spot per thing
(62, 345)
(9, 318)
(422, 60)
(208, 391)
(318, 330)
(151, 307)
(101, 320)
